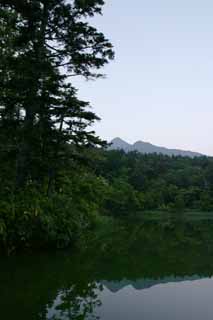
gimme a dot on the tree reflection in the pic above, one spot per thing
(76, 303)
(65, 286)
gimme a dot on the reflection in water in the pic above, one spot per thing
(69, 305)
(176, 301)
(151, 271)
(170, 298)
(139, 284)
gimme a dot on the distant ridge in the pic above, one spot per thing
(146, 148)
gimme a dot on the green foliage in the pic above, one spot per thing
(46, 198)
(122, 199)
(156, 182)
(31, 219)
(43, 45)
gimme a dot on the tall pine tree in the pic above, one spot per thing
(43, 45)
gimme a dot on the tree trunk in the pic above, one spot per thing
(26, 149)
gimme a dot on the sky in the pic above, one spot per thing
(159, 88)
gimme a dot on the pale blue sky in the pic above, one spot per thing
(160, 86)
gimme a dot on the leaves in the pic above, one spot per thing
(43, 42)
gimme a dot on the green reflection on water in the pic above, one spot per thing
(69, 285)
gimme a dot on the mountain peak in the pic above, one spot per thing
(119, 144)
(117, 139)
(140, 142)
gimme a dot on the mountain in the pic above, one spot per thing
(145, 147)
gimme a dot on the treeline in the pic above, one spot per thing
(110, 183)
(138, 183)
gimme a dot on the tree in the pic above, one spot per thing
(51, 42)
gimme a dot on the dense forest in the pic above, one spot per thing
(138, 183)
(57, 178)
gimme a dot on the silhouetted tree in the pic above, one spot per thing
(43, 45)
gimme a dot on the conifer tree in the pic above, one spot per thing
(44, 43)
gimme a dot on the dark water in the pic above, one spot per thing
(149, 271)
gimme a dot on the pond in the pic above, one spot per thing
(144, 271)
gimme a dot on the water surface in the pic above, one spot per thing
(149, 271)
